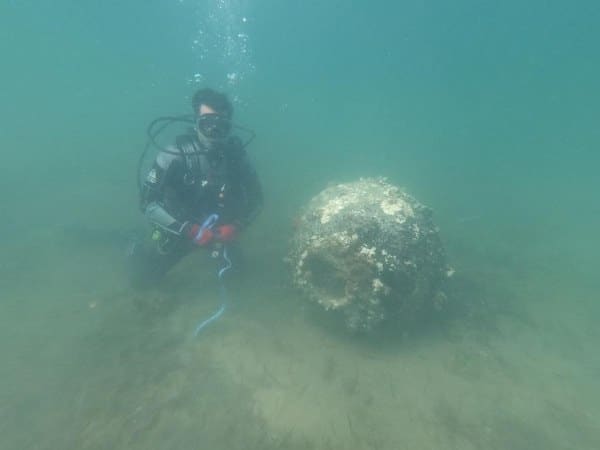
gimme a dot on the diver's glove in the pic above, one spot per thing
(226, 233)
(204, 235)
(200, 235)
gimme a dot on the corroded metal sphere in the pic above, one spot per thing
(368, 252)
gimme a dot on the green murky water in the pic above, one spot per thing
(484, 111)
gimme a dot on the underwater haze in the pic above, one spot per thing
(485, 111)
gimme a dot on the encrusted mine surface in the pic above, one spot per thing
(369, 252)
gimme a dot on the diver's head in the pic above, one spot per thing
(213, 115)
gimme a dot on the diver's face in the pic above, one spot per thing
(211, 124)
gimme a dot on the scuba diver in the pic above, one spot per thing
(201, 191)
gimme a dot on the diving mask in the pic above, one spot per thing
(213, 126)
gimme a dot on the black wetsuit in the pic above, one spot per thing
(186, 185)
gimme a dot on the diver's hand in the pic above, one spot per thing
(226, 233)
(204, 236)
(199, 235)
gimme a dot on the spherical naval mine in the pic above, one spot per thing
(368, 252)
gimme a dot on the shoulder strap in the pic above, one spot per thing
(235, 150)
(194, 157)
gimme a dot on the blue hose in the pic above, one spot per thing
(208, 223)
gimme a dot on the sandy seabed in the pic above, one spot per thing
(93, 365)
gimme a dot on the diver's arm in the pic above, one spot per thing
(159, 216)
(153, 192)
